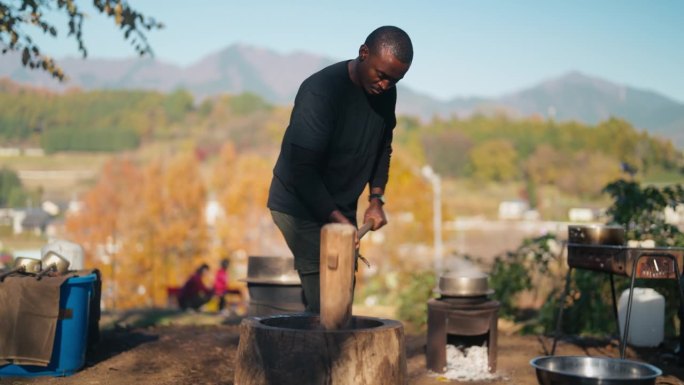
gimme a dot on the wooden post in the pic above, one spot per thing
(338, 254)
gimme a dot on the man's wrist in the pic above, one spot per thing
(379, 198)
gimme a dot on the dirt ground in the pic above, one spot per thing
(201, 349)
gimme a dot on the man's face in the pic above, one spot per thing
(379, 71)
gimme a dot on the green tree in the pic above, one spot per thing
(247, 103)
(448, 151)
(15, 15)
(585, 172)
(547, 150)
(107, 120)
(177, 104)
(11, 190)
(515, 272)
(640, 210)
(413, 296)
(545, 164)
(495, 160)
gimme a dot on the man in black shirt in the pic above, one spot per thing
(339, 140)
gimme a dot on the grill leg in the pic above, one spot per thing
(615, 309)
(559, 321)
(680, 286)
(681, 321)
(625, 334)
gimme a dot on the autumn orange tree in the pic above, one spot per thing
(182, 229)
(167, 229)
(495, 160)
(411, 209)
(100, 226)
(241, 183)
(144, 228)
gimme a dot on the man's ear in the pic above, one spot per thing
(363, 52)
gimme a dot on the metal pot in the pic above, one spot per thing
(583, 370)
(274, 286)
(456, 284)
(23, 265)
(596, 235)
(271, 270)
(53, 262)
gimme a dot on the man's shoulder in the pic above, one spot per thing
(336, 70)
(327, 78)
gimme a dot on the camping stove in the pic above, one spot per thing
(462, 319)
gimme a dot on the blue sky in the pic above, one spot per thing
(462, 47)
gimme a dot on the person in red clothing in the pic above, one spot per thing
(221, 283)
(194, 293)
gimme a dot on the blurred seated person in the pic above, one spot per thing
(194, 293)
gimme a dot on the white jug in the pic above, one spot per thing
(647, 319)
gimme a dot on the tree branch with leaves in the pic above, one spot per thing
(16, 15)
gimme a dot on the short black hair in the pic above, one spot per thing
(395, 39)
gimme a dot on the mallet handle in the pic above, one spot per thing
(365, 228)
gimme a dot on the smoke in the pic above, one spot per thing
(460, 267)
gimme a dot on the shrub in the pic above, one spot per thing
(414, 294)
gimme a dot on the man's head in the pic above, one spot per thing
(384, 59)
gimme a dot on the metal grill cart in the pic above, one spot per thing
(602, 249)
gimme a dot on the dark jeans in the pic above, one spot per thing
(222, 302)
(303, 237)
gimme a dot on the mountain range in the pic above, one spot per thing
(276, 77)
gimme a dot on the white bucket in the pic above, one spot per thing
(72, 252)
(647, 319)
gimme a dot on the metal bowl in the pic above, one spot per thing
(596, 235)
(464, 285)
(53, 263)
(28, 265)
(583, 370)
(23, 265)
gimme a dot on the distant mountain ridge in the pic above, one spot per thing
(276, 77)
(236, 69)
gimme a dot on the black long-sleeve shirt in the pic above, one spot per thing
(339, 139)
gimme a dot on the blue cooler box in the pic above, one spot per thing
(71, 335)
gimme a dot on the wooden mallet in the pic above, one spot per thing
(338, 256)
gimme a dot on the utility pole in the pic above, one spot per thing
(436, 182)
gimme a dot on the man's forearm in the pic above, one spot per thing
(337, 217)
